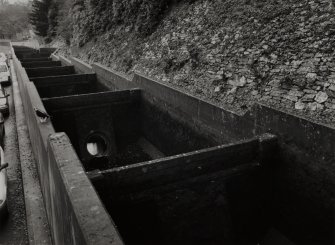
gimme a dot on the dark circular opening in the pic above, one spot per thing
(96, 145)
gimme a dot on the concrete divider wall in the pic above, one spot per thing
(112, 79)
(47, 50)
(75, 212)
(218, 124)
(62, 59)
(221, 125)
(80, 66)
(314, 138)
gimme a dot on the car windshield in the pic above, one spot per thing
(3, 68)
(3, 100)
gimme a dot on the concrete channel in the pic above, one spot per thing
(133, 161)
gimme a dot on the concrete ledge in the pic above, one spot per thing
(77, 216)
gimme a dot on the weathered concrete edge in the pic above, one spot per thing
(250, 151)
(99, 228)
(39, 134)
(37, 223)
(94, 99)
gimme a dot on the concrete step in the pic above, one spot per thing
(50, 71)
(38, 64)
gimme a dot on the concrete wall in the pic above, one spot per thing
(57, 86)
(75, 212)
(41, 64)
(81, 67)
(50, 71)
(304, 173)
(197, 114)
(113, 115)
(229, 183)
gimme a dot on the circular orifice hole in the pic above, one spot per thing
(96, 145)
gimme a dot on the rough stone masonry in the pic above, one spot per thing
(234, 54)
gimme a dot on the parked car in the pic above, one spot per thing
(3, 187)
(3, 173)
(2, 130)
(4, 74)
(4, 107)
(3, 57)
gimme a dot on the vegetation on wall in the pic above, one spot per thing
(94, 17)
(90, 18)
(50, 17)
(64, 20)
(39, 16)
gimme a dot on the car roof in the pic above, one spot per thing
(3, 57)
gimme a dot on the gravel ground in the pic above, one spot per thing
(15, 230)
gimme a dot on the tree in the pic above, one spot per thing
(39, 16)
(3, 2)
(52, 18)
(64, 20)
(13, 18)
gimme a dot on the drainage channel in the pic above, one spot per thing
(161, 179)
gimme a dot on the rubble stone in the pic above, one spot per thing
(321, 97)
